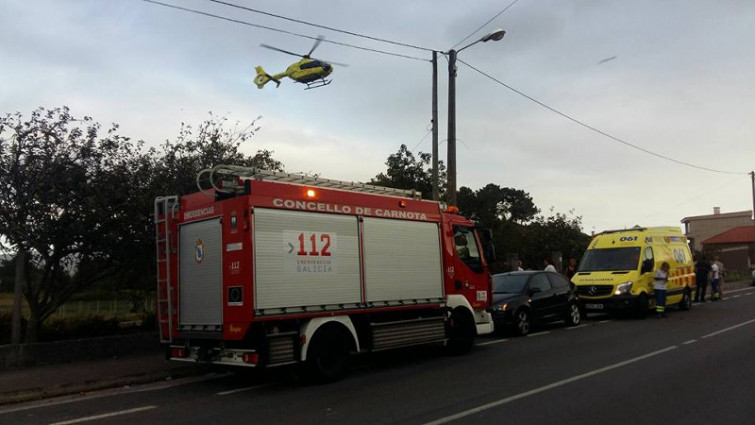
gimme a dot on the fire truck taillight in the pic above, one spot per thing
(178, 352)
(311, 193)
(250, 358)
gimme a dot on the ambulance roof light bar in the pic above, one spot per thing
(259, 174)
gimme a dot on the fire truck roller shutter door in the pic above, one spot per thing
(305, 259)
(402, 260)
(200, 291)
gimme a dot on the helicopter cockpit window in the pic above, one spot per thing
(310, 65)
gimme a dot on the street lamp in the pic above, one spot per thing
(451, 190)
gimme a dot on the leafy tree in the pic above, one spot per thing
(556, 232)
(493, 205)
(405, 171)
(65, 192)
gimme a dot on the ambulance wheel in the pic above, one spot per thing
(641, 307)
(573, 315)
(522, 322)
(327, 355)
(686, 301)
(462, 332)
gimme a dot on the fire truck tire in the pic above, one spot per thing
(462, 332)
(327, 355)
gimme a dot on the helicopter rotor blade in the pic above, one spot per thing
(319, 40)
(280, 50)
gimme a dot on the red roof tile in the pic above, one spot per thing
(742, 234)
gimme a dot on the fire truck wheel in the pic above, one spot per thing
(462, 332)
(327, 355)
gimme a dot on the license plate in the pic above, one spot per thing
(594, 306)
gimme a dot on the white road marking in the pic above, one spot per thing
(728, 329)
(575, 327)
(747, 294)
(539, 333)
(546, 388)
(691, 341)
(736, 296)
(105, 415)
(239, 390)
(114, 392)
(492, 342)
(604, 321)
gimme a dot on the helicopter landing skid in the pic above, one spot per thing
(316, 84)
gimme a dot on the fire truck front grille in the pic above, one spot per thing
(281, 350)
(391, 335)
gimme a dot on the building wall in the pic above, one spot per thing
(703, 227)
(738, 256)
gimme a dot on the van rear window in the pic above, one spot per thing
(611, 259)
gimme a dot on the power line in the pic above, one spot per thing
(199, 12)
(489, 21)
(383, 40)
(596, 130)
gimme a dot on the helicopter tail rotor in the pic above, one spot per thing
(263, 77)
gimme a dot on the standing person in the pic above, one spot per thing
(549, 267)
(659, 289)
(721, 275)
(519, 266)
(714, 280)
(702, 270)
(571, 269)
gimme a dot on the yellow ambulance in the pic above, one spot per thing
(616, 272)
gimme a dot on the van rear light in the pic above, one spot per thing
(250, 358)
(178, 352)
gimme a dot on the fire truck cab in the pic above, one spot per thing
(268, 269)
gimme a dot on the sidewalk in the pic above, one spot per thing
(73, 378)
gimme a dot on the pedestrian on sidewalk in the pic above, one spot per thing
(721, 276)
(714, 279)
(702, 270)
(549, 267)
(659, 289)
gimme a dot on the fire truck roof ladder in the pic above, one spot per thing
(165, 212)
(300, 179)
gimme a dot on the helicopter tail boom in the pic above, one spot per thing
(263, 77)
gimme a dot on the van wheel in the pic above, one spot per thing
(686, 301)
(641, 307)
(522, 322)
(327, 355)
(573, 315)
(461, 333)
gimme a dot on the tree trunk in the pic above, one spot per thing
(32, 326)
(18, 290)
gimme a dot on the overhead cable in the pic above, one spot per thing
(601, 132)
(355, 34)
(199, 12)
(489, 21)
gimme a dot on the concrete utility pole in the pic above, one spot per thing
(436, 191)
(752, 178)
(451, 166)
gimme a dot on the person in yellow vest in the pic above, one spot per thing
(659, 289)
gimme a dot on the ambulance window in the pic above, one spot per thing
(466, 247)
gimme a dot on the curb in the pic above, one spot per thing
(40, 393)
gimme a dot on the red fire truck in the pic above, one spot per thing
(268, 269)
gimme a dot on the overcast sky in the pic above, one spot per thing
(673, 77)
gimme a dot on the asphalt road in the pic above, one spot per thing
(695, 367)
